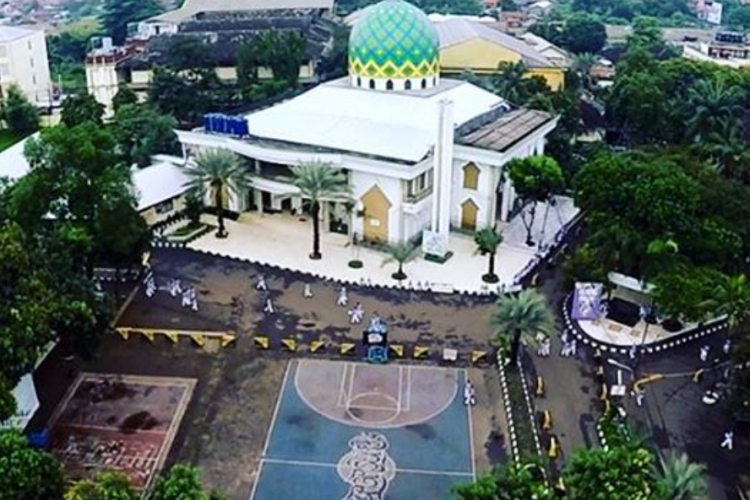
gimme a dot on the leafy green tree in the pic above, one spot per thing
(187, 96)
(535, 180)
(318, 182)
(194, 208)
(522, 481)
(521, 316)
(80, 109)
(513, 84)
(335, 60)
(218, 173)
(731, 297)
(105, 486)
(682, 292)
(26, 473)
(680, 479)
(618, 473)
(141, 133)
(19, 114)
(181, 482)
(584, 33)
(401, 253)
(488, 240)
(283, 53)
(118, 14)
(711, 104)
(484, 488)
(124, 97)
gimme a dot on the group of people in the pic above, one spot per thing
(188, 294)
(544, 346)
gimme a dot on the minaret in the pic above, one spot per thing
(443, 172)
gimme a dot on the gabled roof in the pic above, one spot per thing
(158, 183)
(457, 31)
(192, 7)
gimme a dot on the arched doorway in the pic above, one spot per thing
(469, 211)
(376, 206)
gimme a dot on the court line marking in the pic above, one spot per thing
(471, 434)
(400, 390)
(408, 389)
(272, 426)
(448, 402)
(257, 479)
(305, 463)
(342, 385)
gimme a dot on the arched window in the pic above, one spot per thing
(424, 83)
(471, 176)
(389, 85)
(372, 84)
(407, 85)
(359, 81)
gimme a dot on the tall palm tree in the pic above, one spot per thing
(679, 479)
(709, 102)
(219, 172)
(524, 315)
(318, 181)
(401, 253)
(509, 80)
(488, 240)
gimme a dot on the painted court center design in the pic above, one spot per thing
(367, 468)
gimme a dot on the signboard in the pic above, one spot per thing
(434, 243)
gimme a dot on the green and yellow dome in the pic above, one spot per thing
(394, 43)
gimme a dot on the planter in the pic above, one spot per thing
(490, 278)
(356, 264)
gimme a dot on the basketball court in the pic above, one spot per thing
(118, 422)
(355, 431)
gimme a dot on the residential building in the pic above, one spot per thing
(552, 52)
(423, 154)
(726, 48)
(220, 35)
(24, 63)
(476, 47)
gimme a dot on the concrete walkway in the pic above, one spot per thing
(286, 241)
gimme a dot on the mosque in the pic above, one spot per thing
(424, 155)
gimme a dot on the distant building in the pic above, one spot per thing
(23, 62)
(726, 48)
(220, 33)
(476, 47)
(559, 56)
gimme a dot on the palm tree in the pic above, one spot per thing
(726, 145)
(509, 80)
(317, 181)
(401, 253)
(582, 64)
(709, 103)
(219, 170)
(524, 315)
(487, 241)
(679, 479)
(731, 297)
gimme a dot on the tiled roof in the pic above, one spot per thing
(505, 131)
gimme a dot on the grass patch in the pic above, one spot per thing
(521, 414)
(187, 230)
(8, 138)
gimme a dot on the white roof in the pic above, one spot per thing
(398, 125)
(13, 163)
(10, 33)
(158, 183)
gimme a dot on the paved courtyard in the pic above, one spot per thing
(285, 241)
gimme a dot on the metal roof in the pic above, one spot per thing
(505, 131)
(193, 7)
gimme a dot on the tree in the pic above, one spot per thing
(187, 95)
(194, 208)
(80, 109)
(731, 297)
(19, 114)
(141, 133)
(535, 180)
(584, 33)
(401, 253)
(124, 97)
(105, 486)
(316, 182)
(621, 473)
(26, 473)
(335, 60)
(484, 488)
(711, 104)
(522, 316)
(487, 241)
(118, 14)
(679, 479)
(522, 481)
(182, 482)
(509, 80)
(283, 52)
(219, 171)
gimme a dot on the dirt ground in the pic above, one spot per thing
(225, 427)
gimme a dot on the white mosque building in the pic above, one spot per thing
(423, 154)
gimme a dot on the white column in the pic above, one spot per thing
(444, 169)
